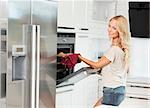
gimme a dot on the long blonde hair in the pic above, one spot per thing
(124, 35)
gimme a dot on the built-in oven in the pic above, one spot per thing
(3, 57)
(65, 43)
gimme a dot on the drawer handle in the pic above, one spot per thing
(139, 86)
(138, 98)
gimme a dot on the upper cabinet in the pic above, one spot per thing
(73, 15)
(66, 14)
(101, 12)
(81, 15)
(86, 16)
(3, 9)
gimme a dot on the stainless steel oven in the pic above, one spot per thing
(65, 43)
(3, 57)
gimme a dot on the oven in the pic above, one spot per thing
(65, 43)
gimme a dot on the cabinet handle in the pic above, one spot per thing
(65, 85)
(86, 29)
(138, 98)
(66, 27)
(138, 86)
(65, 91)
(83, 36)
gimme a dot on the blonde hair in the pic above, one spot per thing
(124, 35)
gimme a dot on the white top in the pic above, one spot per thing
(114, 74)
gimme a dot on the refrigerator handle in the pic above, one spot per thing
(38, 66)
(35, 66)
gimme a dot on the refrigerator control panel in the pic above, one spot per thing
(18, 50)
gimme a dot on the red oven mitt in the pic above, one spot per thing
(70, 60)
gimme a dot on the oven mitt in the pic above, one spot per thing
(70, 60)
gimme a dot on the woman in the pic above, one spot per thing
(114, 63)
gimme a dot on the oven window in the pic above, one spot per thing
(3, 32)
(63, 71)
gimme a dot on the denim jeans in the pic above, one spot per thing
(113, 96)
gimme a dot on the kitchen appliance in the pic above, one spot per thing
(139, 18)
(3, 58)
(65, 43)
(32, 37)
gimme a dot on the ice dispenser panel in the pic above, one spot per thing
(18, 62)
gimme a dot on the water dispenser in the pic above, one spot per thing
(18, 62)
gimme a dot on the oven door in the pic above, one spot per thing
(63, 71)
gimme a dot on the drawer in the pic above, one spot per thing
(138, 90)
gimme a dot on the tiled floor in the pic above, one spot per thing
(2, 103)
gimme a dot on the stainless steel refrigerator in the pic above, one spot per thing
(32, 37)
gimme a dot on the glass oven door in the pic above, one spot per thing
(63, 71)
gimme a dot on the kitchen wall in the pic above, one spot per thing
(140, 47)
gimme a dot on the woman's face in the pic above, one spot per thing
(112, 29)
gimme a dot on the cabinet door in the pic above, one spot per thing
(82, 47)
(64, 100)
(64, 96)
(66, 13)
(3, 9)
(81, 14)
(85, 92)
(134, 103)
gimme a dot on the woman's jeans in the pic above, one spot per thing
(113, 96)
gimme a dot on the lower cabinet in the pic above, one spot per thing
(82, 94)
(64, 97)
(134, 103)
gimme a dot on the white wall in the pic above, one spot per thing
(140, 60)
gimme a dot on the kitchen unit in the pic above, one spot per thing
(85, 91)
(3, 56)
(32, 37)
(3, 47)
(86, 22)
(73, 15)
(65, 44)
(65, 15)
(79, 90)
(137, 93)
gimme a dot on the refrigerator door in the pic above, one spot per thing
(17, 68)
(45, 14)
(31, 79)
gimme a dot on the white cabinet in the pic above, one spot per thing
(81, 15)
(73, 14)
(134, 103)
(137, 94)
(3, 9)
(82, 47)
(85, 92)
(82, 94)
(64, 97)
(101, 12)
(66, 14)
